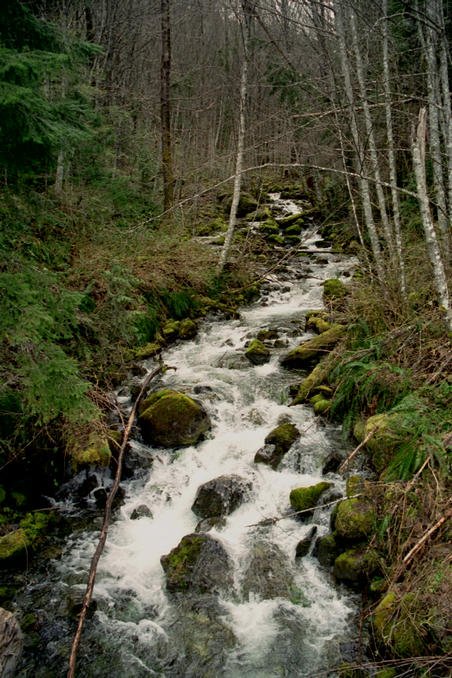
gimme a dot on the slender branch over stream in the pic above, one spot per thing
(107, 516)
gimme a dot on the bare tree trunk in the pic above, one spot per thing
(371, 138)
(165, 106)
(446, 109)
(427, 221)
(391, 154)
(246, 23)
(364, 184)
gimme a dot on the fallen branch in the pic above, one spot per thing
(107, 515)
(271, 521)
(357, 449)
(424, 538)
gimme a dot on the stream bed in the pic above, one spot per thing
(279, 616)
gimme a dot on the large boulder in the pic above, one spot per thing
(313, 349)
(304, 498)
(384, 441)
(399, 622)
(268, 573)
(199, 563)
(220, 496)
(11, 642)
(355, 519)
(257, 353)
(172, 419)
(277, 443)
(355, 565)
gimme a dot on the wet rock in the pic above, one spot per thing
(326, 550)
(277, 444)
(233, 361)
(332, 462)
(314, 348)
(141, 511)
(303, 498)
(172, 419)
(257, 353)
(355, 519)
(11, 643)
(220, 496)
(207, 524)
(198, 563)
(187, 329)
(303, 546)
(268, 335)
(355, 565)
(268, 573)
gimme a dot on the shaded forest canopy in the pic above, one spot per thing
(123, 126)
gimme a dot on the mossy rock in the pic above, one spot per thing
(187, 329)
(303, 498)
(149, 350)
(262, 213)
(291, 220)
(354, 485)
(334, 289)
(355, 519)
(267, 574)
(275, 239)
(326, 549)
(170, 330)
(292, 240)
(399, 624)
(312, 381)
(318, 323)
(257, 353)
(172, 419)
(199, 563)
(12, 545)
(268, 227)
(220, 496)
(246, 204)
(281, 440)
(322, 406)
(31, 531)
(293, 229)
(355, 565)
(313, 348)
(96, 453)
(385, 440)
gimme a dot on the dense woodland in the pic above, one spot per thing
(127, 129)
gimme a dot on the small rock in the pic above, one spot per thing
(141, 511)
(303, 546)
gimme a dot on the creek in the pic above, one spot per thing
(256, 628)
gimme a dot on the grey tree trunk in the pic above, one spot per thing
(433, 248)
(165, 106)
(247, 9)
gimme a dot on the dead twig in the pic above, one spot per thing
(409, 556)
(107, 515)
(357, 449)
(271, 521)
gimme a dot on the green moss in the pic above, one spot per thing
(322, 406)
(96, 453)
(386, 673)
(355, 565)
(317, 323)
(12, 544)
(355, 519)
(384, 442)
(293, 229)
(257, 352)
(179, 562)
(187, 329)
(276, 239)
(327, 550)
(303, 498)
(312, 381)
(354, 485)
(313, 348)
(172, 419)
(147, 351)
(334, 289)
(291, 220)
(170, 330)
(268, 227)
(283, 437)
(399, 624)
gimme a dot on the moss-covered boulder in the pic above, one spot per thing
(293, 229)
(326, 549)
(268, 573)
(187, 329)
(220, 496)
(322, 405)
(355, 519)
(277, 443)
(275, 239)
(317, 321)
(399, 624)
(314, 348)
(199, 563)
(97, 452)
(303, 498)
(334, 289)
(313, 380)
(246, 204)
(268, 227)
(257, 352)
(172, 419)
(384, 442)
(170, 330)
(293, 219)
(17, 544)
(292, 240)
(355, 565)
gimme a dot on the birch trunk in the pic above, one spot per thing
(364, 184)
(447, 113)
(391, 154)
(246, 14)
(59, 176)
(165, 107)
(427, 221)
(434, 103)
(371, 138)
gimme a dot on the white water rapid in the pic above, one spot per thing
(139, 628)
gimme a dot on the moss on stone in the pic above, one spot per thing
(354, 485)
(291, 220)
(275, 239)
(170, 330)
(283, 437)
(172, 419)
(399, 624)
(383, 444)
(96, 453)
(334, 289)
(187, 329)
(355, 519)
(355, 565)
(12, 544)
(322, 406)
(303, 498)
(147, 351)
(314, 348)
(268, 227)
(327, 550)
(318, 324)
(293, 229)
(257, 353)
(312, 381)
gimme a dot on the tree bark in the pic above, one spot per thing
(165, 106)
(434, 251)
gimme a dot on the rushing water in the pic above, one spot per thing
(139, 629)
